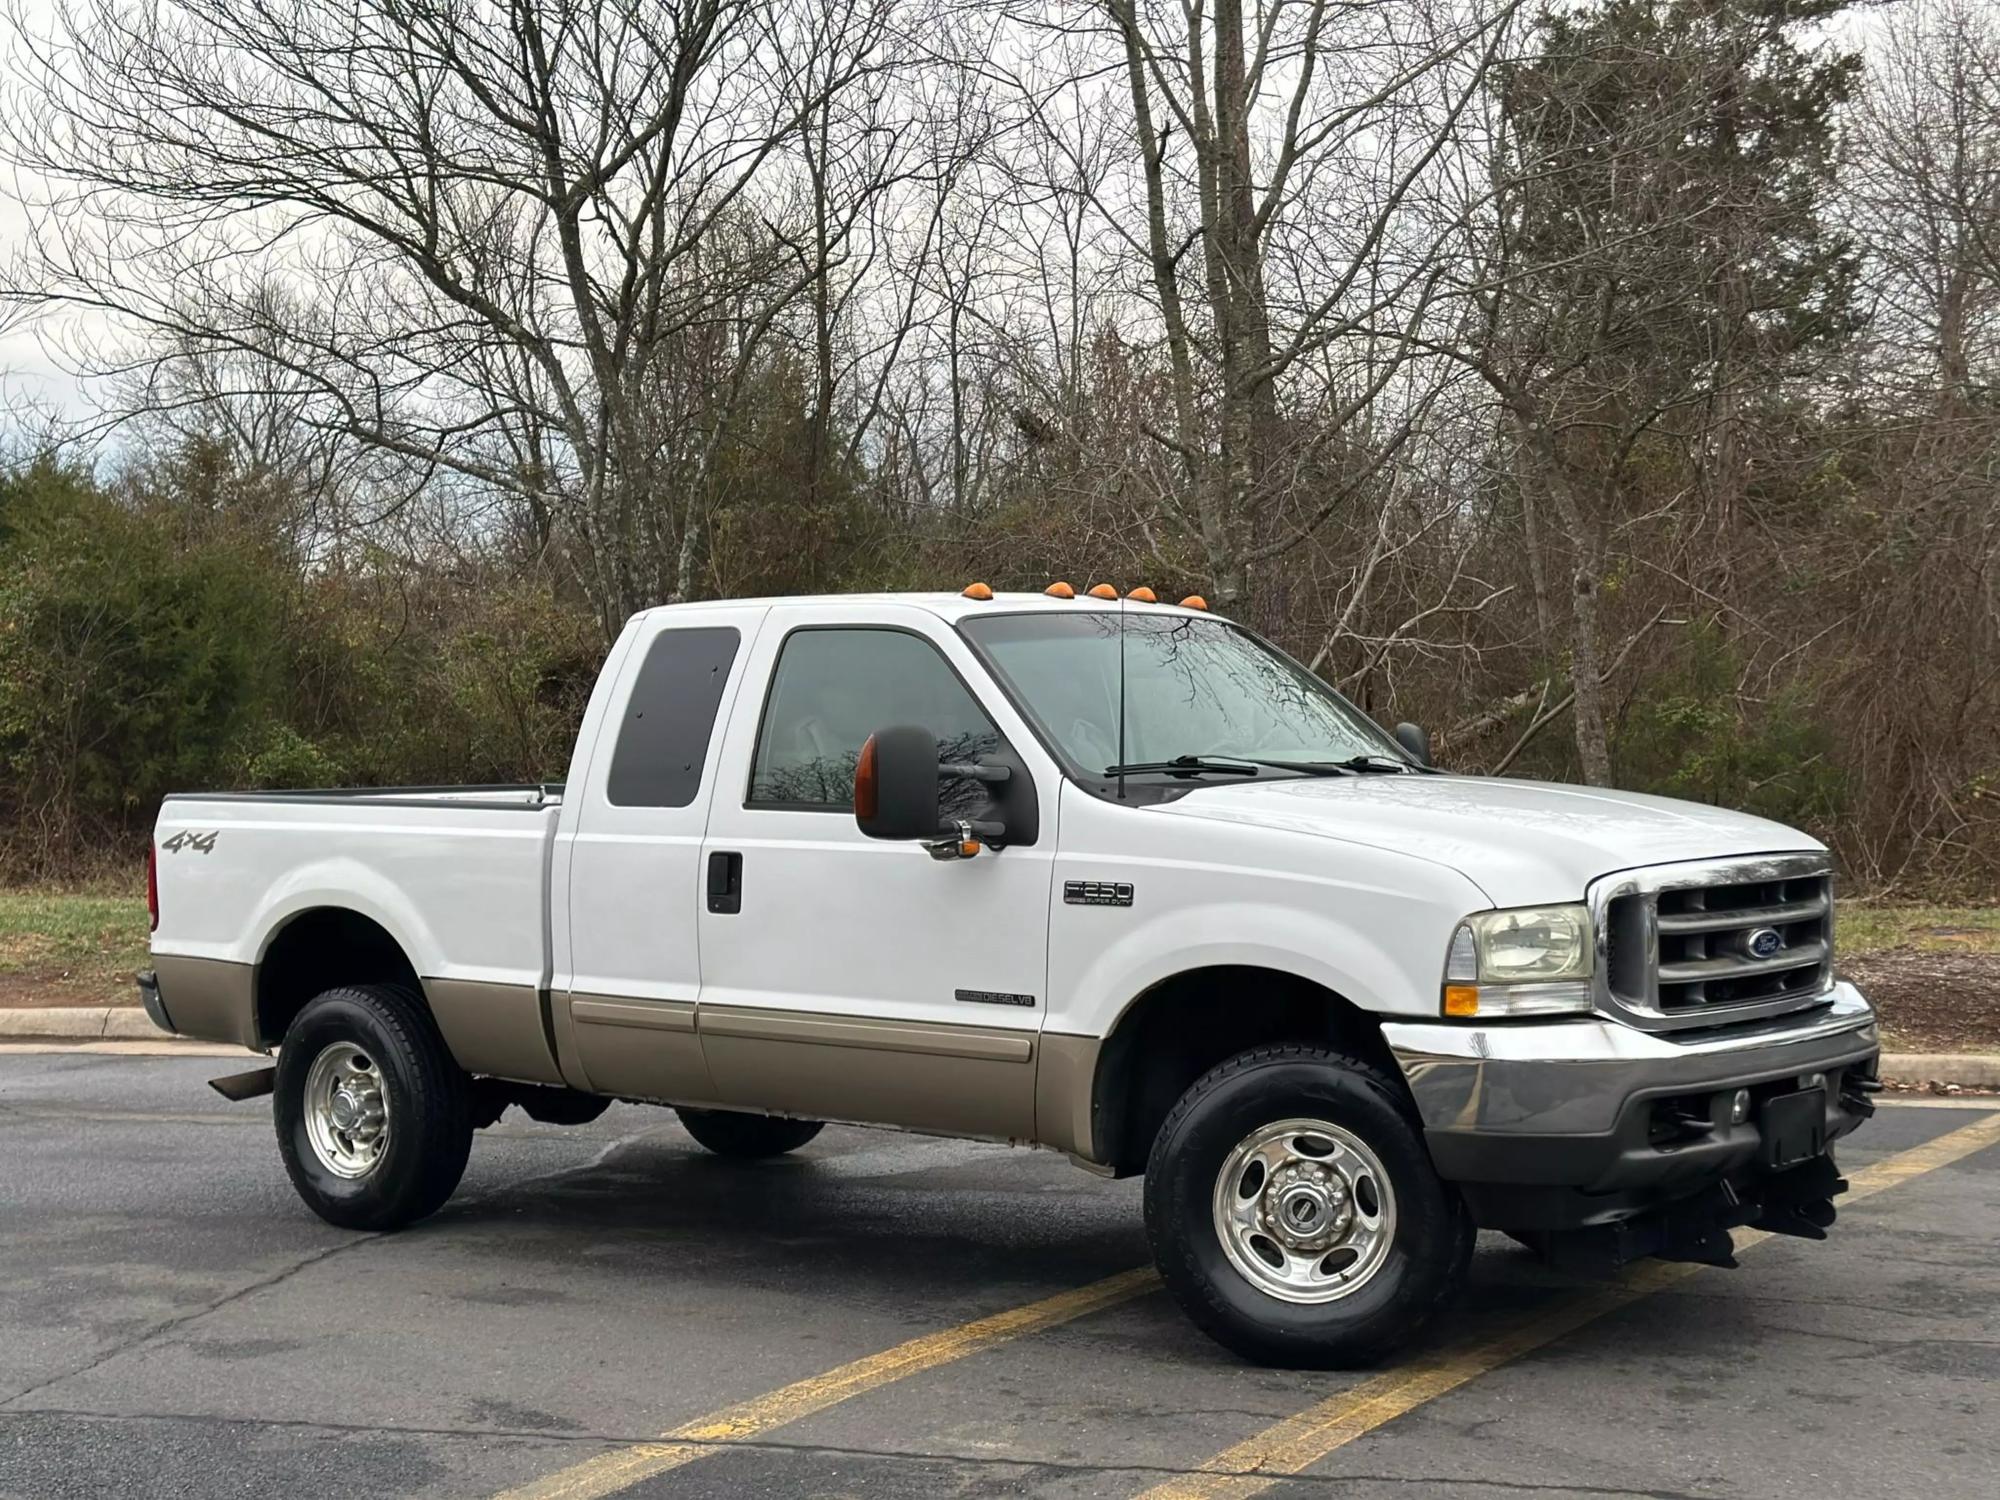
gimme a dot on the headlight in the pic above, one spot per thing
(1531, 961)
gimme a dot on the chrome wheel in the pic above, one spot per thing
(347, 1111)
(1304, 1210)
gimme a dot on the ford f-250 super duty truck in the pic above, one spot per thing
(1095, 874)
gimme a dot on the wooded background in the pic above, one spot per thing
(1609, 386)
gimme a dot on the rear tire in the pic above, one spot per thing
(1295, 1215)
(374, 1117)
(729, 1132)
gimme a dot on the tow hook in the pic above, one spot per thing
(251, 1085)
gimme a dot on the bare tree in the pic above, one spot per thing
(1925, 188)
(540, 244)
(1275, 196)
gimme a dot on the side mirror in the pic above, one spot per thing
(896, 785)
(896, 781)
(1413, 739)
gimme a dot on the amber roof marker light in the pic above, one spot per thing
(1194, 601)
(980, 591)
(1103, 591)
(1143, 595)
(1060, 590)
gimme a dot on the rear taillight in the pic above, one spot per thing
(152, 888)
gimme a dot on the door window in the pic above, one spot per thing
(834, 688)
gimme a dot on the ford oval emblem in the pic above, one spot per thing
(1765, 942)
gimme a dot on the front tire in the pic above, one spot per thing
(729, 1132)
(1295, 1215)
(374, 1117)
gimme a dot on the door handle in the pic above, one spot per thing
(725, 882)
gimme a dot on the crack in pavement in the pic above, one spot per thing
(168, 1326)
(836, 1450)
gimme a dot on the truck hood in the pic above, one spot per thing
(1520, 842)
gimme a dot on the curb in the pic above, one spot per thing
(83, 1023)
(1969, 1070)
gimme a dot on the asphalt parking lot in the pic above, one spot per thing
(851, 1321)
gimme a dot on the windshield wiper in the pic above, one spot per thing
(1238, 765)
(1247, 765)
(1303, 767)
(1384, 764)
(1187, 765)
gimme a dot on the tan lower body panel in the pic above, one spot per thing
(211, 999)
(1065, 1084)
(636, 1049)
(493, 1028)
(949, 1080)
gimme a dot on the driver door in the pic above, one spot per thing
(849, 978)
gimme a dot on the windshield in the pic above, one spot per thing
(1193, 687)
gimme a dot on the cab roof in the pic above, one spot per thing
(952, 607)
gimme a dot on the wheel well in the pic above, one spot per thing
(1180, 1028)
(317, 950)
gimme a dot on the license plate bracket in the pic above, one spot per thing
(1792, 1128)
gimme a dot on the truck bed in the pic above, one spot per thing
(459, 876)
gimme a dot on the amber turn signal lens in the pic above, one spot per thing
(1144, 595)
(1194, 601)
(979, 591)
(967, 848)
(865, 795)
(1461, 999)
(1103, 591)
(1060, 590)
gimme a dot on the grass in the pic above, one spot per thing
(83, 944)
(1863, 927)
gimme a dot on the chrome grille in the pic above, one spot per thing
(1715, 941)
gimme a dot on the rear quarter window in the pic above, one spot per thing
(670, 716)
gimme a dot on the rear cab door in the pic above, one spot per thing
(850, 978)
(627, 860)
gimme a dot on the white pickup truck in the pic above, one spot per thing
(1095, 874)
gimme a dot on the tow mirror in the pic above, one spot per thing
(896, 785)
(1413, 739)
(896, 793)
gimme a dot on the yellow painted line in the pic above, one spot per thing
(614, 1471)
(1295, 1444)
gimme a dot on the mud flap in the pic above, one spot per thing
(254, 1084)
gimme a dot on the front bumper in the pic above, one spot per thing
(1561, 1124)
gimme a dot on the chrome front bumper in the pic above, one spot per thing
(1574, 1077)
(1575, 1105)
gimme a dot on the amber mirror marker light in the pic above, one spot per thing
(866, 798)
